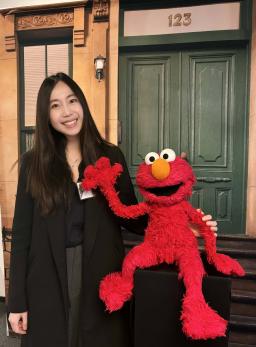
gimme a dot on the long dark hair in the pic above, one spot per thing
(49, 175)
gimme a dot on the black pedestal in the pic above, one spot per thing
(157, 303)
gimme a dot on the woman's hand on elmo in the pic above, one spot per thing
(19, 322)
(205, 218)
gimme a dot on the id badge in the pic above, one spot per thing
(84, 194)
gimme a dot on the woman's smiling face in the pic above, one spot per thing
(65, 111)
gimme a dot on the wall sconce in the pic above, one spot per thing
(99, 63)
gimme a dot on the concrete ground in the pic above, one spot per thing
(4, 340)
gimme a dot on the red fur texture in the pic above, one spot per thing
(168, 239)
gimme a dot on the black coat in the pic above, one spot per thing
(38, 273)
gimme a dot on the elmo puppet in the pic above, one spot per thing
(165, 181)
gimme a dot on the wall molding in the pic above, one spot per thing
(79, 27)
(10, 43)
(9, 34)
(100, 10)
(44, 21)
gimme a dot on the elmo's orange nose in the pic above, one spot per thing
(160, 169)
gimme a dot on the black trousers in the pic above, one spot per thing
(74, 271)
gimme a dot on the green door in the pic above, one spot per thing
(192, 101)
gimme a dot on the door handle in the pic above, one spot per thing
(213, 179)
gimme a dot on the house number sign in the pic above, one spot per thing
(179, 19)
(214, 17)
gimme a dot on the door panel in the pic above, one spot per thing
(209, 113)
(148, 79)
(192, 101)
(149, 105)
(215, 82)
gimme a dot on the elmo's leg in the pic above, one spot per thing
(116, 288)
(198, 319)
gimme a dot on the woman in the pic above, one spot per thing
(63, 246)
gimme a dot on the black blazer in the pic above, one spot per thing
(38, 270)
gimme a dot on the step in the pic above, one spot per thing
(243, 309)
(237, 237)
(233, 250)
(243, 338)
(245, 323)
(250, 274)
(240, 253)
(237, 242)
(244, 284)
(248, 263)
(234, 344)
(245, 296)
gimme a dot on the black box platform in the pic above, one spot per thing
(157, 304)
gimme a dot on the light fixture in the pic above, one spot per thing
(99, 63)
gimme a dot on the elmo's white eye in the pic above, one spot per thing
(151, 157)
(168, 154)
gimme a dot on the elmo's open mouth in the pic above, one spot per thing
(164, 191)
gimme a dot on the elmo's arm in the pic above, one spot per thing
(103, 176)
(222, 262)
(195, 217)
(121, 210)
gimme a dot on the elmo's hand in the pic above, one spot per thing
(101, 175)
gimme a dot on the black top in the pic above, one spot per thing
(75, 216)
(75, 225)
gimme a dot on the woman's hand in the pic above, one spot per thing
(19, 322)
(205, 218)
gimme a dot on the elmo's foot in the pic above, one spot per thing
(115, 290)
(200, 321)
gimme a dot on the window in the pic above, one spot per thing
(38, 61)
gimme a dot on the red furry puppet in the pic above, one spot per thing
(165, 181)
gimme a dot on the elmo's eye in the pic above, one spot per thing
(168, 154)
(151, 157)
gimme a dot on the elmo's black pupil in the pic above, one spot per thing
(165, 156)
(151, 159)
